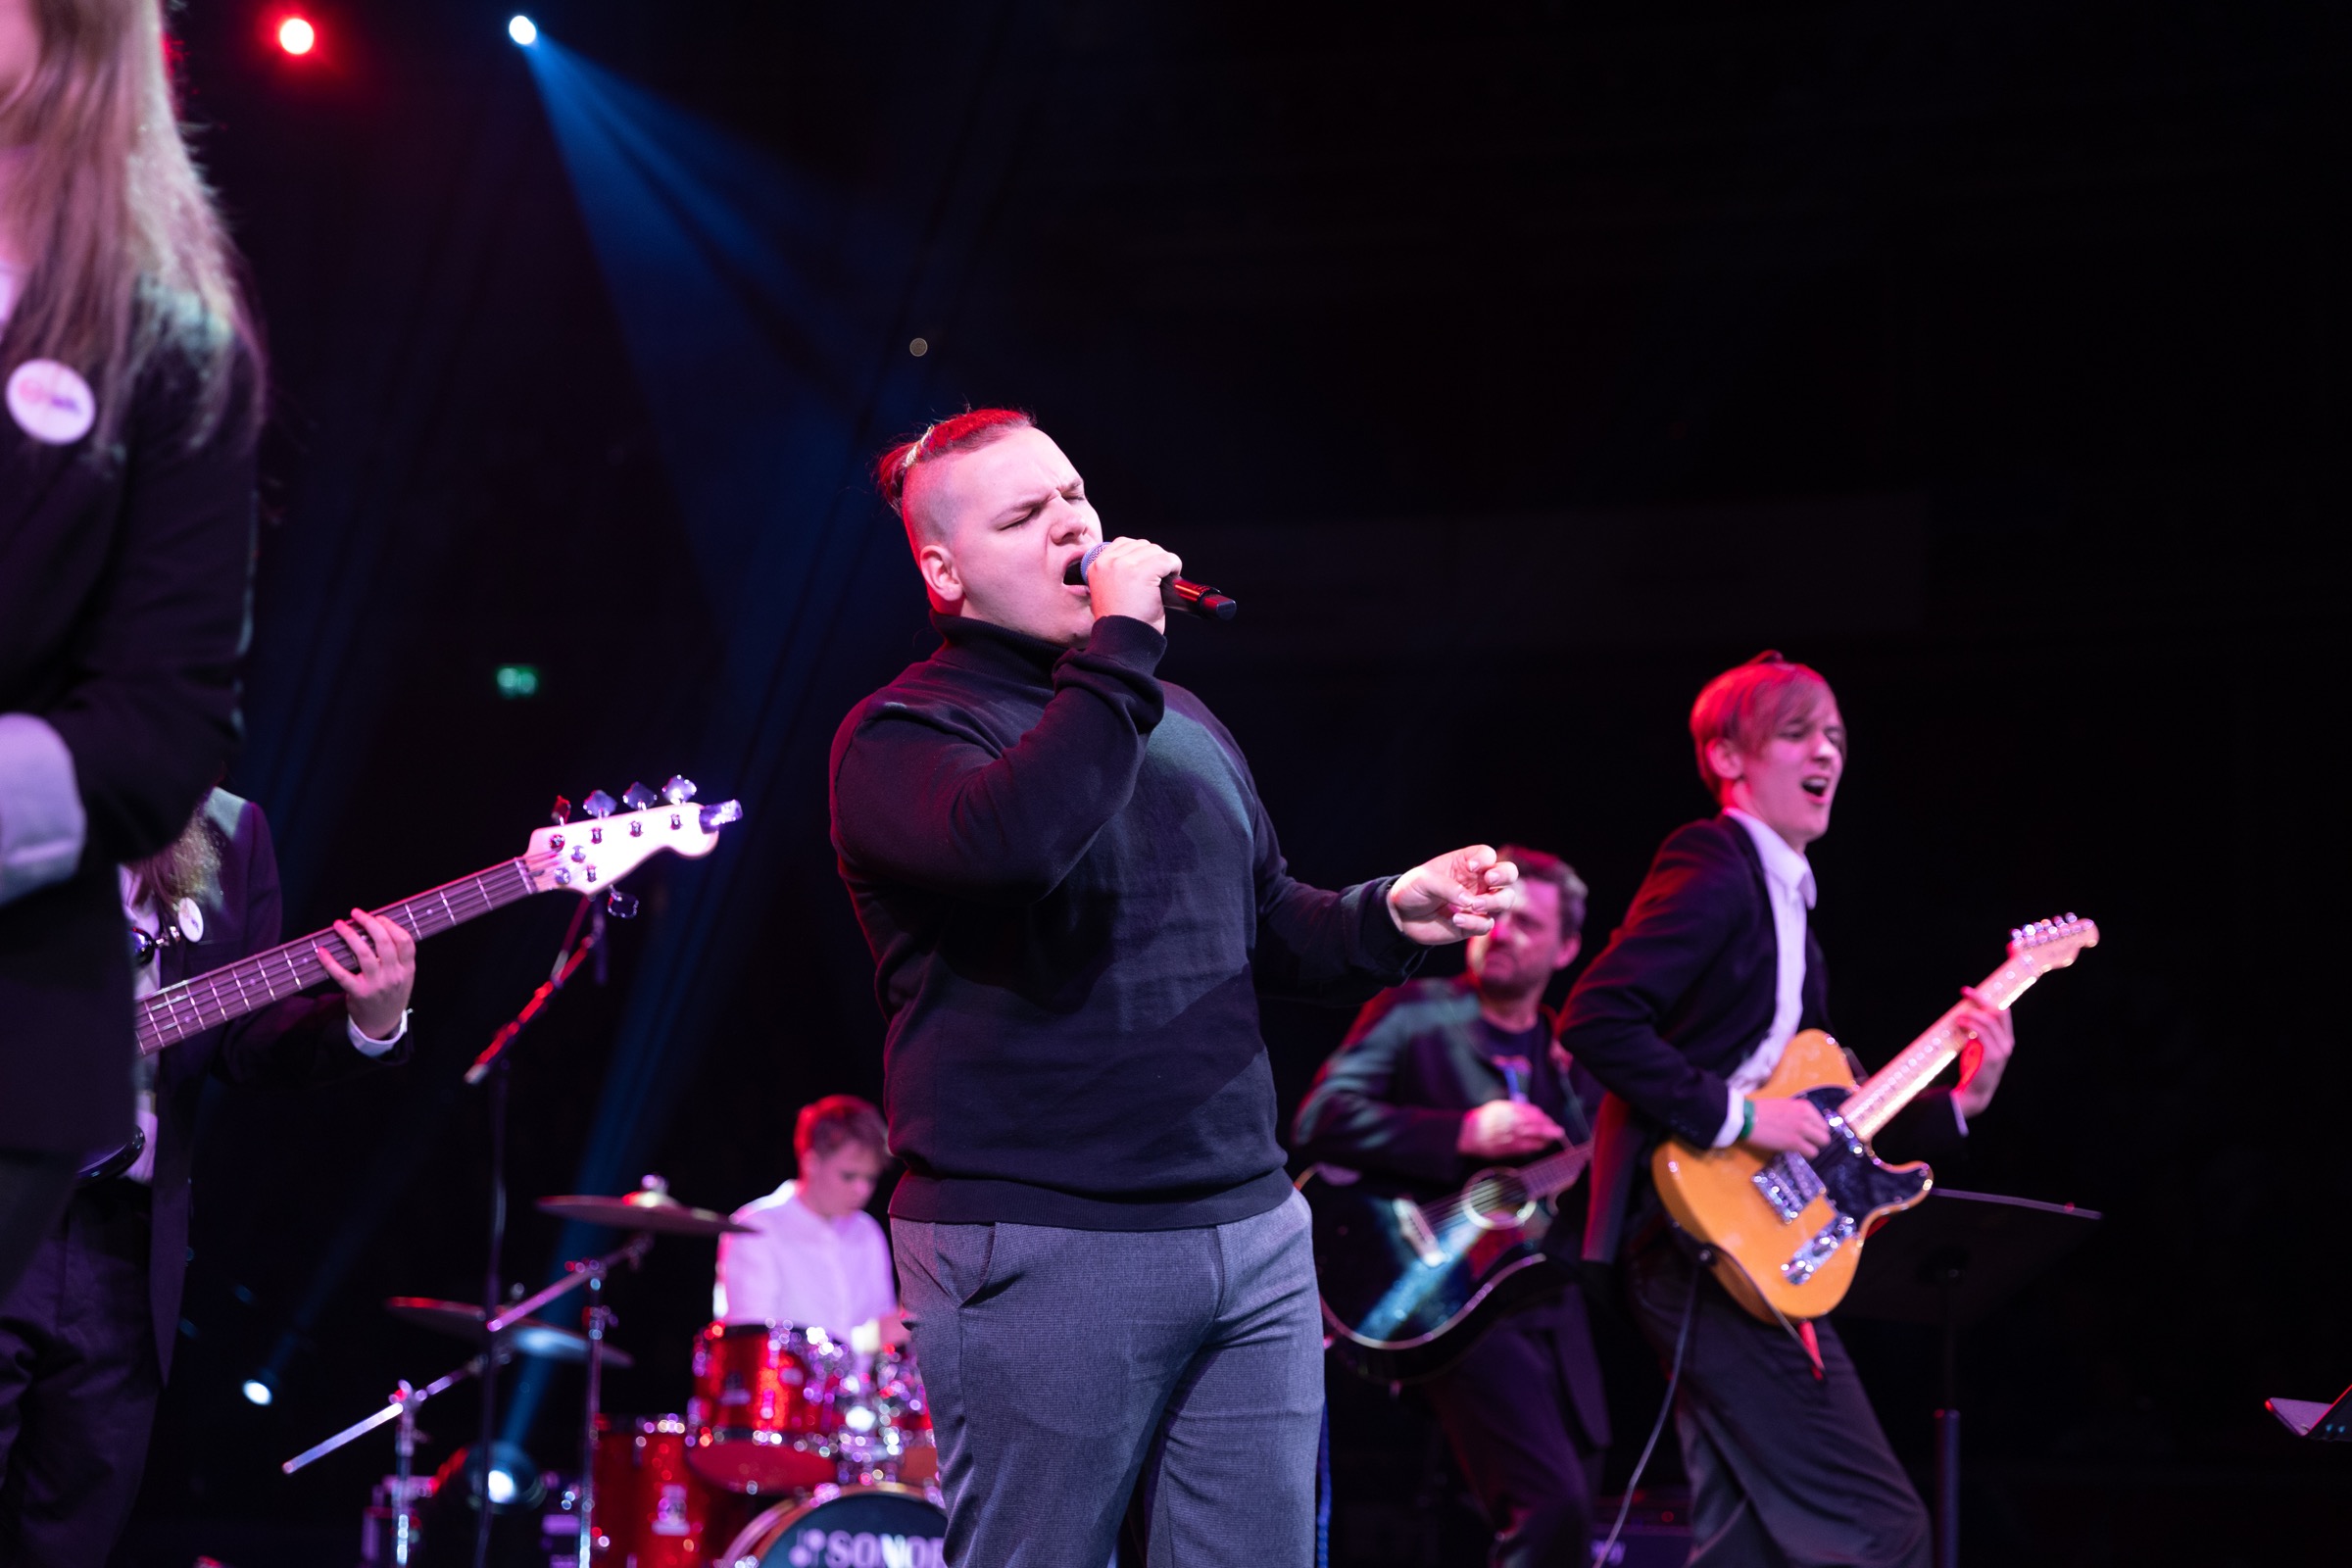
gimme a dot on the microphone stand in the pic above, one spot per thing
(492, 1063)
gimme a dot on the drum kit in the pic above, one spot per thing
(836, 1434)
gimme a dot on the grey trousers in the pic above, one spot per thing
(1068, 1368)
(1787, 1470)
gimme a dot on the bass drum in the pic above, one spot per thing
(886, 1526)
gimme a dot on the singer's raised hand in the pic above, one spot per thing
(1453, 896)
(1125, 578)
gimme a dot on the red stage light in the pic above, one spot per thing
(297, 36)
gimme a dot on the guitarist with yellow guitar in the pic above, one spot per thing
(1691, 1019)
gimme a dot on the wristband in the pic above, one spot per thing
(1748, 1119)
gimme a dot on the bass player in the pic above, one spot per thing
(86, 1336)
(1682, 1017)
(1438, 1079)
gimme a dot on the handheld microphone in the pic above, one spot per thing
(1177, 593)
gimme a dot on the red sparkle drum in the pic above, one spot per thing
(762, 1415)
(884, 1422)
(845, 1527)
(652, 1511)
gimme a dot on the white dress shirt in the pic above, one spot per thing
(1789, 880)
(797, 1267)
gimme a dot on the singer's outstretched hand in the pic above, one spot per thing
(1125, 578)
(1453, 896)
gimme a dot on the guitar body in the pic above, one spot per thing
(1788, 1232)
(1407, 1292)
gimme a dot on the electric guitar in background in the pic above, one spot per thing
(586, 857)
(1787, 1230)
(1410, 1287)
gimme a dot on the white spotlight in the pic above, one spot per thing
(502, 1489)
(258, 1391)
(522, 30)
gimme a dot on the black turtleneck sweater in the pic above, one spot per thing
(1074, 898)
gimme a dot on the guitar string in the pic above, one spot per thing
(207, 1002)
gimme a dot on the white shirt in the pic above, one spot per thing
(1789, 880)
(801, 1268)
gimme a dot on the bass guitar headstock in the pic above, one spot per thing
(2049, 945)
(609, 843)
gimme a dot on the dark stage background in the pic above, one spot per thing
(1517, 367)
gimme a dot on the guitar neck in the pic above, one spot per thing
(234, 990)
(1893, 1086)
(1554, 1174)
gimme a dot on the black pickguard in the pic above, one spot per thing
(1858, 1181)
(1395, 1317)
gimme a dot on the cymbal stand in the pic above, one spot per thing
(590, 1272)
(492, 1065)
(406, 1402)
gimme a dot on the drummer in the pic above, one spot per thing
(815, 1257)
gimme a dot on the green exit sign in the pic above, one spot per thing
(518, 680)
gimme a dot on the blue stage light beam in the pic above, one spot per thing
(771, 378)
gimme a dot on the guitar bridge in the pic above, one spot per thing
(1788, 1184)
(1416, 1231)
(1815, 1253)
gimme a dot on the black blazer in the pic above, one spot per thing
(123, 584)
(1391, 1098)
(1675, 1001)
(302, 1039)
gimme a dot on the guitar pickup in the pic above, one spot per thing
(1415, 1229)
(1788, 1184)
(1815, 1253)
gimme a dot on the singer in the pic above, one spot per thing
(1074, 898)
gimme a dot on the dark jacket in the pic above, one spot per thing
(1682, 993)
(302, 1039)
(1074, 896)
(1391, 1100)
(122, 612)
(1392, 1097)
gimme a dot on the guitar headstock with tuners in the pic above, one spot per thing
(2049, 945)
(609, 843)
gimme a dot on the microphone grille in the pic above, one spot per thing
(1086, 563)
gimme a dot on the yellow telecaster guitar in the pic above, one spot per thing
(1787, 1230)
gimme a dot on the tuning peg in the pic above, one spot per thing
(561, 812)
(680, 790)
(620, 905)
(717, 816)
(598, 804)
(637, 797)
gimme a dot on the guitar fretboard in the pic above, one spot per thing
(196, 1004)
(1891, 1088)
(1554, 1174)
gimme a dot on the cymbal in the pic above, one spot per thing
(646, 1210)
(532, 1337)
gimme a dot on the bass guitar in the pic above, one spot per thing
(1786, 1229)
(586, 857)
(1410, 1287)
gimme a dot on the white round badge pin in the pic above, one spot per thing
(51, 402)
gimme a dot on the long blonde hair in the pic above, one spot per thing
(129, 255)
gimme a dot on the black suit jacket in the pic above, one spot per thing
(1391, 1100)
(1675, 1003)
(122, 612)
(302, 1039)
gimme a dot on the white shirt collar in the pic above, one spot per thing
(1782, 865)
